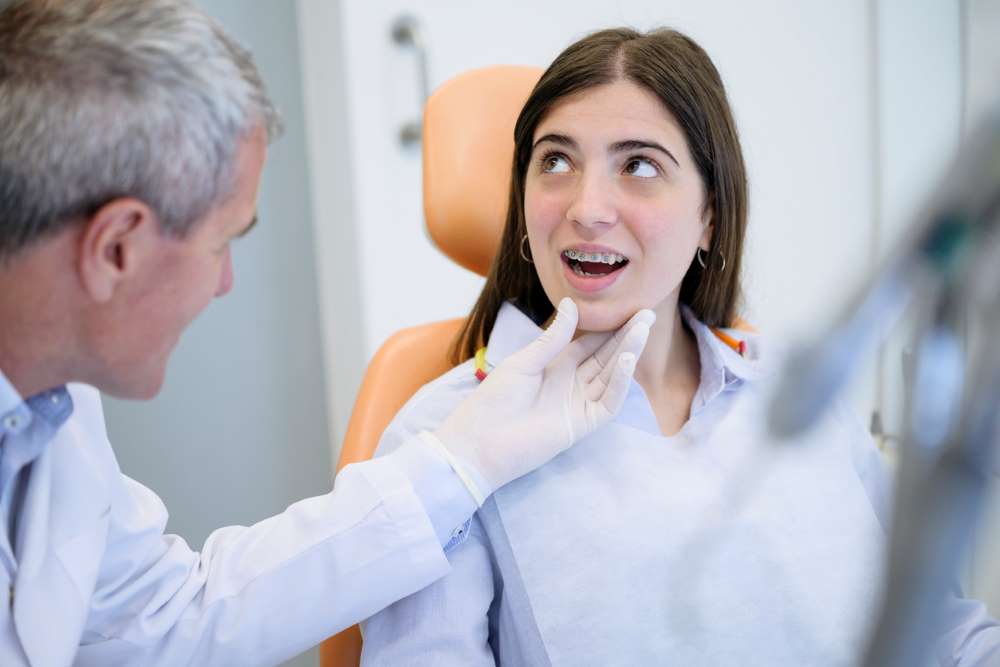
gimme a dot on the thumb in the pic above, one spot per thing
(540, 352)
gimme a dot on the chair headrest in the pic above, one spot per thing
(468, 147)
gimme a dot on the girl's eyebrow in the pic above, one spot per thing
(560, 139)
(637, 144)
(617, 147)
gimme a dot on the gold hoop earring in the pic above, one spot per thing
(701, 259)
(523, 255)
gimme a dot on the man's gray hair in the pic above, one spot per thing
(111, 98)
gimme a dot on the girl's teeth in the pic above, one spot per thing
(603, 257)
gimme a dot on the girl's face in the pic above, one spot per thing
(613, 204)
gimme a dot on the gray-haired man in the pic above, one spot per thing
(132, 139)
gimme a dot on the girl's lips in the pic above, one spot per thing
(590, 284)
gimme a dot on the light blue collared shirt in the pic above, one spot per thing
(26, 427)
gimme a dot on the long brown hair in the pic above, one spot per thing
(679, 72)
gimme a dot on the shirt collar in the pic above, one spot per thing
(9, 398)
(721, 366)
(15, 415)
(750, 365)
(54, 407)
(511, 332)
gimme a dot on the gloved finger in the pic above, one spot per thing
(634, 342)
(540, 352)
(617, 386)
(613, 347)
(583, 348)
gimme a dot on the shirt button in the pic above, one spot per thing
(12, 422)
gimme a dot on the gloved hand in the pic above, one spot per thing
(540, 400)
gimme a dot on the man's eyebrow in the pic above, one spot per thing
(246, 230)
(638, 144)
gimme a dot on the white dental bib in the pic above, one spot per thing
(716, 546)
(635, 549)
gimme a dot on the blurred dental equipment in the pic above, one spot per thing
(948, 271)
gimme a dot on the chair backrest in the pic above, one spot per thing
(408, 360)
(468, 149)
(468, 153)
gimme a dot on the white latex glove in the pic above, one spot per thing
(540, 400)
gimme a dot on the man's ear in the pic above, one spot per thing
(114, 242)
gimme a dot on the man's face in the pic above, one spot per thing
(177, 282)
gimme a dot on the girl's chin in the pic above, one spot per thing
(593, 320)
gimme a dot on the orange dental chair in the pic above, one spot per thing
(468, 147)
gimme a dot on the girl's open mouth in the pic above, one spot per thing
(589, 271)
(593, 264)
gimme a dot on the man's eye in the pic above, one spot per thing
(555, 164)
(641, 167)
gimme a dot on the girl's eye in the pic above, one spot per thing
(554, 163)
(641, 167)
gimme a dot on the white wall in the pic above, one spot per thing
(335, 205)
(982, 56)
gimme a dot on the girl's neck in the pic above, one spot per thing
(669, 370)
(670, 359)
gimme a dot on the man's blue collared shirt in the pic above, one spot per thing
(26, 427)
